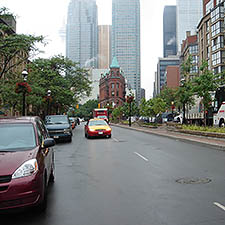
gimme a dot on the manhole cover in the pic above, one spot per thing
(193, 180)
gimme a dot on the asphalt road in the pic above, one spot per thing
(133, 178)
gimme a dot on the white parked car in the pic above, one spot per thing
(178, 118)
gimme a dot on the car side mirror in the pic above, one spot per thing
(48, 142)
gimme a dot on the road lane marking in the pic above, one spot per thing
(115, 140)
(141, 156)
(219, 205)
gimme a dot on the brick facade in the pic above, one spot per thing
(112, 88)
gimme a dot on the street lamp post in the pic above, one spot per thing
(48, 96)
(24, 74)
(130, 99)
(172, 107)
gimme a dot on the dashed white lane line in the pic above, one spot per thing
(141, 156)
(115, 140)
(219, 205)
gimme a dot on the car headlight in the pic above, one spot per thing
(108, 129)
(91, 129)
(66, 130)
(26, 169)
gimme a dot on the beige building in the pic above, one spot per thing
(104, 46)
(211, 35)
(189, 48)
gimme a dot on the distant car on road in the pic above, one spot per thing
(59, 127)
(27, 163)
(97, 128)
(72, 122)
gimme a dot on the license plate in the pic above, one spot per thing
(56, 137)
(100, 132)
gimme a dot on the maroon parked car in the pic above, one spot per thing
(26, 163)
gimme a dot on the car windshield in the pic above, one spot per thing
(97, 123)
(17, 137)
(102, 117)
(56, 119)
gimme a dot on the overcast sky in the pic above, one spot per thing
(47, 18)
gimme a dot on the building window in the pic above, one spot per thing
(112, 93)
(217, 43)
(112, 87)
(218, 57)
(193, 49)
(217, 28)
(217, 13)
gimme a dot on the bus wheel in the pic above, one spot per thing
(222, 124)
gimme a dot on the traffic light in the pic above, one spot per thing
(77, 106)
(99, 105)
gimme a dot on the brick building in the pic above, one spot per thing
(112, 86)
(190, 48)
(172, 76)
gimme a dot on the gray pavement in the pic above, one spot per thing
(218, 143)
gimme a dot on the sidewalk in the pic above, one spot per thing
(218, 143)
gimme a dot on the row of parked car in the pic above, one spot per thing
(27, 159)
(163, 118)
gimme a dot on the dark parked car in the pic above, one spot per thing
(59, 127)
(27, 163)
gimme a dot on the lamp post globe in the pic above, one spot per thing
(48, 98)
(25, 74)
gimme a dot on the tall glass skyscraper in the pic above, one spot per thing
(126, 40)
(82, 32)
(169, 31)
(189, 14)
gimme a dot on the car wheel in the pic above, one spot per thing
(85, 134)
(43, 204)
(222, 124)
(109, 136)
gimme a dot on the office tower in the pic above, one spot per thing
(104, 46)
(189, 14)
(161, 71)
(169, 31)
(126, 40)
(82, 32)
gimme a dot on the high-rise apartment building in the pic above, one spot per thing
(104, 46)
(169, 31)
(82, 32)
(211, 35)
(189, 14)
(126, 40)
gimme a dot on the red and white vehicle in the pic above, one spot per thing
(219, 108)
(101, 113)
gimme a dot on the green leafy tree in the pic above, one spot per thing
(158, 105)
(86, 110)
(117, 113)
(64, 78)
(184, 95)
(15, 49)
(169, 96)
(204, 85)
